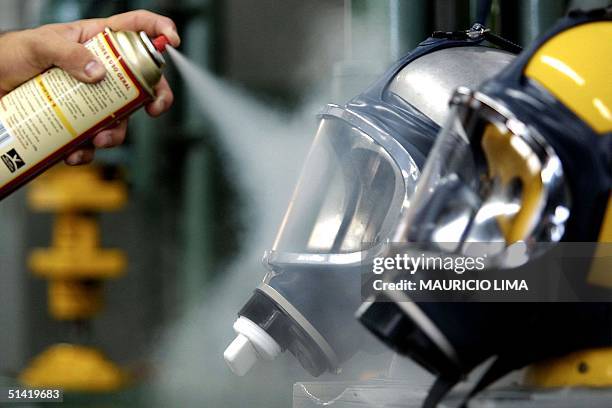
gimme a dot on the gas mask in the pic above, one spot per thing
(355, 186)
(524, 160)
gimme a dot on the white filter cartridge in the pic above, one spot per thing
(240, 355)
(251, 343)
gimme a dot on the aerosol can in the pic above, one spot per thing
(50, 115)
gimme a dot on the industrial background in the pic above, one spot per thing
(186, 217)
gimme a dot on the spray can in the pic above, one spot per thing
(50, 115)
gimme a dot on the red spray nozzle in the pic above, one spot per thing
(160, 43)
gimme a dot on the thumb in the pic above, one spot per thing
(72, 57)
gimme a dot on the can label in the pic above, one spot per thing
(50, 111)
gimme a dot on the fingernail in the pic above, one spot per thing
(94, 69)
(174, 38)
(161, 104)
(104, 140)
(75, 158)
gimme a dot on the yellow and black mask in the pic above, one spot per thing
(525, 159)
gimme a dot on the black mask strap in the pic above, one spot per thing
(439, 389)
(477, 33)
(502, 42)
(500, 367)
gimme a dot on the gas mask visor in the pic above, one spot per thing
(353, 186)
(353, 189)
(491, 186)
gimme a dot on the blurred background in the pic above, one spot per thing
(196, 196)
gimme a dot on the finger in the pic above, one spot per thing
(163, 99)
(81, 156)
(49, 48)
(151, 23)
(138, 20)
(112, 136)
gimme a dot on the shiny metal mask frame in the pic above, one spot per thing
(555, 208)
(406, 167)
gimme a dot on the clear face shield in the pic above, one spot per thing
(491, 185)
(353, 188)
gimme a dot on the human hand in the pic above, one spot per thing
(27, 53)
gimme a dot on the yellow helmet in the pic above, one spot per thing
(575, 66)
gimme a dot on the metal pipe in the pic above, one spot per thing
(393, 26)
(452, 15)
(376, 32)
(408, 25)
(196, 225)
(522, 21)
(536, 16)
